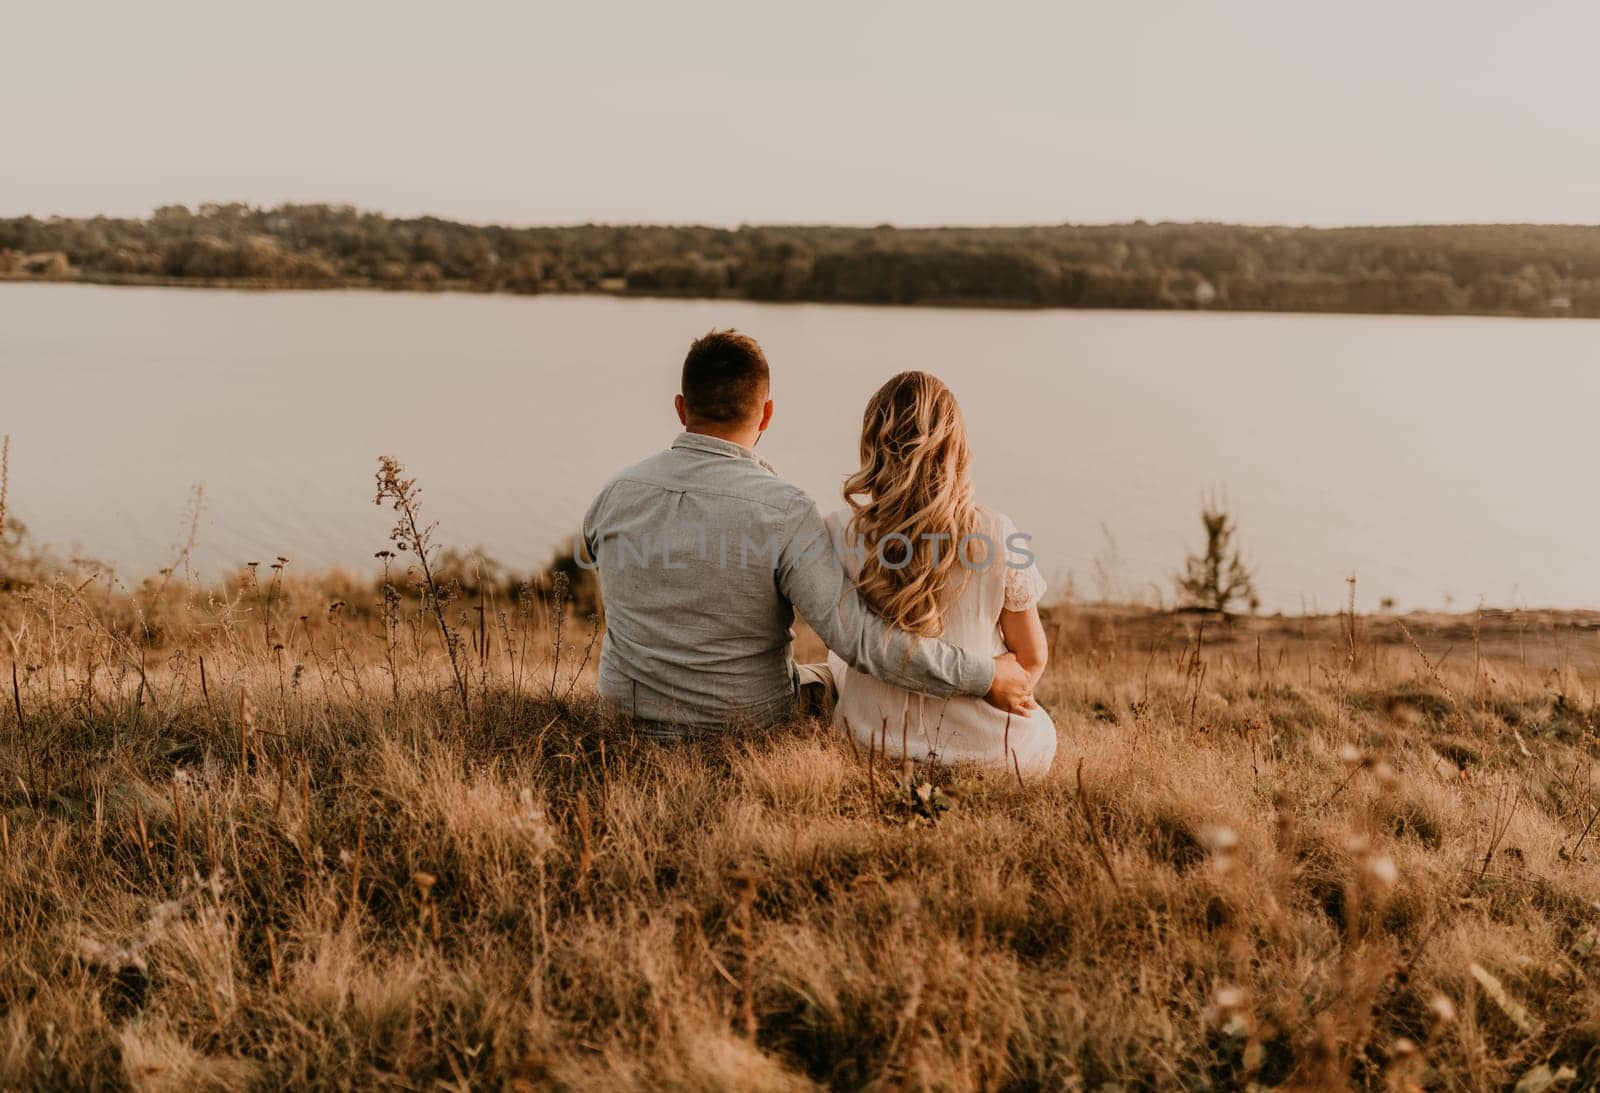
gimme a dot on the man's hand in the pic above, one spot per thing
(1012, 690)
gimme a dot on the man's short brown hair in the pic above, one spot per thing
(725, 378)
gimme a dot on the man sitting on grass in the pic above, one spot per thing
(704, 554)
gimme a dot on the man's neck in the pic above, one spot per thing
(743, 435)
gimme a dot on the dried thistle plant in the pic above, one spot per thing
(411, 535)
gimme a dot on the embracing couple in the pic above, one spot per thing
(927, 601)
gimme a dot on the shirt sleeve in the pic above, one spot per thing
(812, 577)
(1025, 585)
(590, 534)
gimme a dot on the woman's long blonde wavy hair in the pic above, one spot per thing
(914, 480)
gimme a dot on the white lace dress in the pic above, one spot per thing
(960, 728)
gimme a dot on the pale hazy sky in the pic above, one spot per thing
(851, 112)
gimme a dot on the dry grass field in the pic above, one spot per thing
(263, 835)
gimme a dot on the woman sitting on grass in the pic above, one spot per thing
(933, 562)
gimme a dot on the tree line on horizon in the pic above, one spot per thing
(1446, 269)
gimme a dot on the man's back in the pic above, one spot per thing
(688, 544)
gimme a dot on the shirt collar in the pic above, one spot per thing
(715, 445)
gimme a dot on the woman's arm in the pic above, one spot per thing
(1024, 635)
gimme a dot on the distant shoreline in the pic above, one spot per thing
(1523, 270)
(955, 304)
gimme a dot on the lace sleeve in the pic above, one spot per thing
(1024, 587)
(1024, 584)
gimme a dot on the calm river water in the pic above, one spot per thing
(1442, 461)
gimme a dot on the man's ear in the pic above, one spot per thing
(683, 416)
(766, 417)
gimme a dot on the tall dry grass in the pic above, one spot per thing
(252, 836)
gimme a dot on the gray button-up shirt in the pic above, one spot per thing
(703, 554)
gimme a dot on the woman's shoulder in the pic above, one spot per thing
(837, 520)
(1022, 584)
